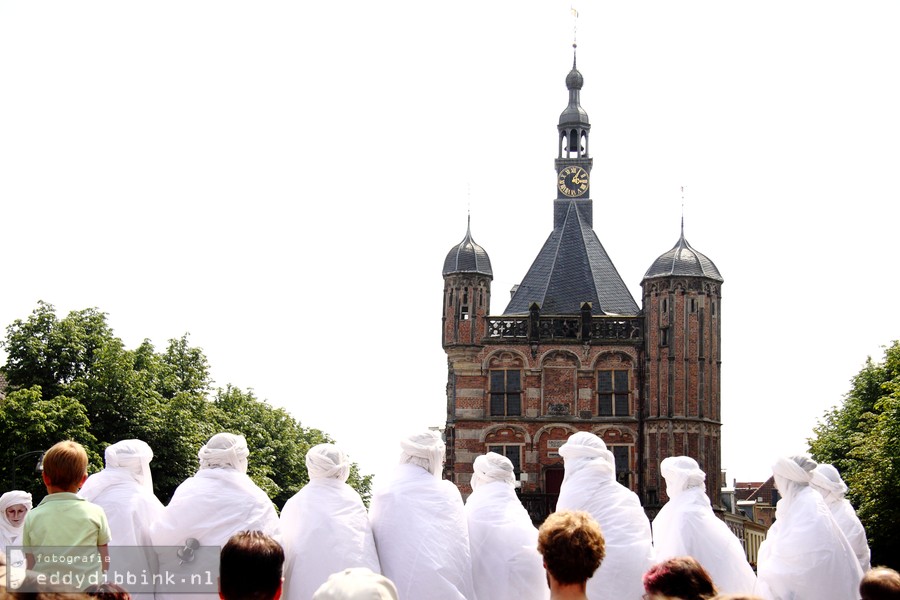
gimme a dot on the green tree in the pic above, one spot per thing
(29, 424)
(277, 444)
(862, 439)
(73, 378)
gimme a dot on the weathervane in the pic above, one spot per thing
(574, 25)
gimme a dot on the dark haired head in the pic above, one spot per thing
(680, 577)
(250, 567)
(880, 583)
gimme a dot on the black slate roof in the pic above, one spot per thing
(683, 260)
(468, 257)
(573, 268)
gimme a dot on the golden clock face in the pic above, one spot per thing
(573, 182)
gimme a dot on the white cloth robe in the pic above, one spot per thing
(846, 518)
(129, 507)
(687, 526)
(421, 536)
(130, 510)
(325, 528)
(625, 527)
(805, 556)
(210, 507)
(505, 562)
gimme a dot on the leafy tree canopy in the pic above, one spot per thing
(72, 378)
(861, 438)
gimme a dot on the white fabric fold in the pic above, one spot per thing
(424, 449)
(505, 562)
(626, 529)
(224, 451)
(421, 535)
(492, 467)
(687, 526)
(209, 508)
(805, 554)
(325, 527)
(827, 481)
(327, 461)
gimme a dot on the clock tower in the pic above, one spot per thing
(573, 163)
(573, 351)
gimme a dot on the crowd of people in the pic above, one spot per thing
(419, 540)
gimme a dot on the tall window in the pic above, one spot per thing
(612, 393)
(506, 392)
(513, 453)
(623, 463)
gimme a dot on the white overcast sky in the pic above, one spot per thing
(282, 180)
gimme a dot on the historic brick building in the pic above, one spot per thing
(572, 351)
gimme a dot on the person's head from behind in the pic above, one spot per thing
(65, 466)
(425, 449)
(572, 546)
(493, 468)
(357, 583)
(680, 577)
(250, 567)
(107, 591)
(880, 583)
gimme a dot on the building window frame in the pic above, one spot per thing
(505, 392)
(614, 392)
(622, 454)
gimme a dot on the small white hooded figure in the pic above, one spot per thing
(325, 526)
(505, 562)
(420, 526)
(687, 526)
(590, 484)
(14, 506)
(827, 481)
(805, 553)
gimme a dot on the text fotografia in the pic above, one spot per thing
(192, 569)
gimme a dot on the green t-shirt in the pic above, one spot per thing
(63, 533)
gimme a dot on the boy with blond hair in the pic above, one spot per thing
(66, 536)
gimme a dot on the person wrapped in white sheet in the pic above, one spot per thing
(14, 506)
(420, 527)
(124, 490)
(805, 554)
(827, 481)
(687, 526)
(325, 527)
(505, 562)
(589, 484)
(208, 508)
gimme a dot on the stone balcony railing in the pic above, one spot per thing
(555, 328)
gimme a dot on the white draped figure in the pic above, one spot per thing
(210, 507)
(805, 555)
(687, 526)
(589, 484)
(420, 527)
(14, 506)
(827, 481)
(124, 489)
(325, 526)
(505, 562)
